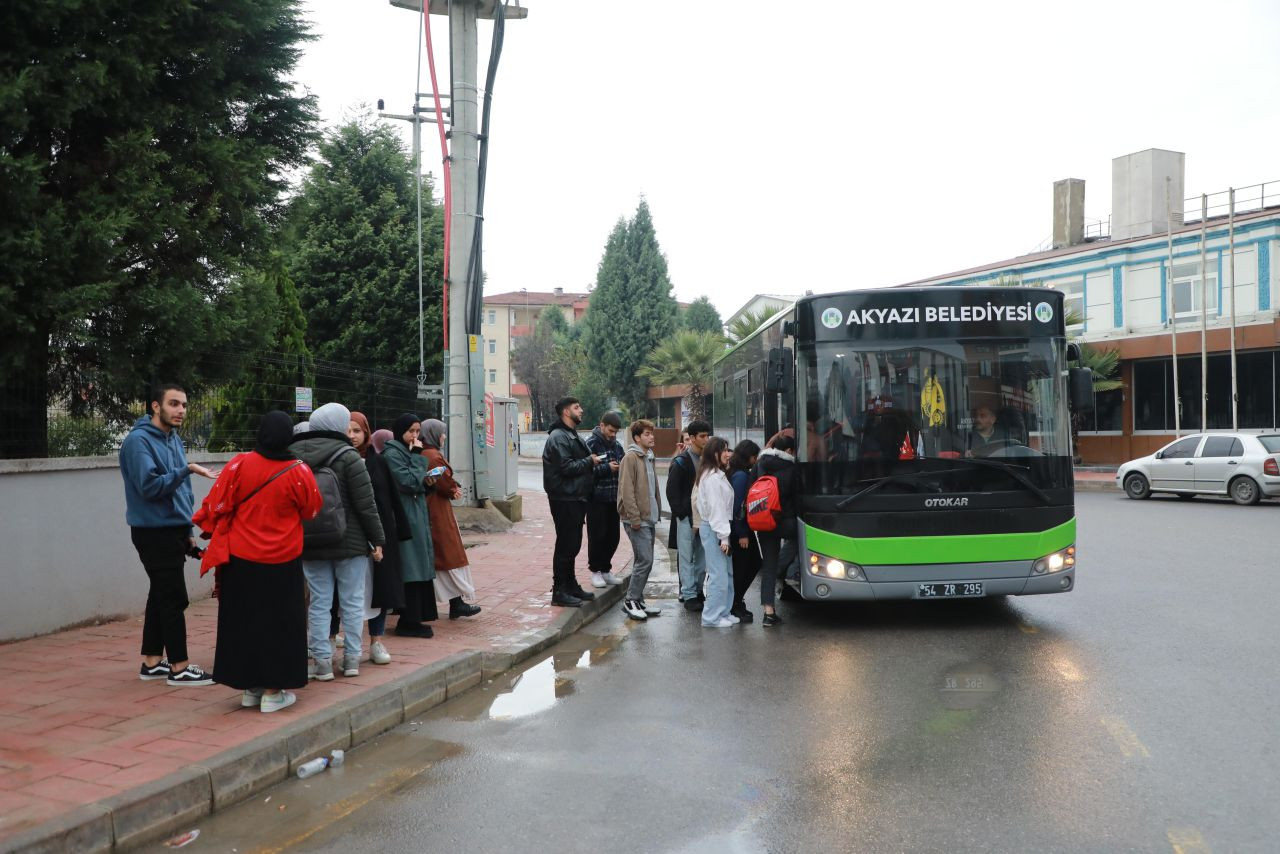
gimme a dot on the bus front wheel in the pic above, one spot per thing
(1137, 487)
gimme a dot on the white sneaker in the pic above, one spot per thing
(251, 699)
(733, 619)
(651, 610)
(276, 702)
(610, 578)
(378, 653)
(634, 610)
(597, 580)
(722, 623)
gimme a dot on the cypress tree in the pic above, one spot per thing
(142, 154)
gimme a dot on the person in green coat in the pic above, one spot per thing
(417, 562)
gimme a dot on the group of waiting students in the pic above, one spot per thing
(707, 484)
(393, 545)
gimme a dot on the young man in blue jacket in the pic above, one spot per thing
(158, 506)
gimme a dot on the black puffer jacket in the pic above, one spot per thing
(364, 528)
(566, 466)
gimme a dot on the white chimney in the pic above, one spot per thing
(1138, 207)
(558, 291)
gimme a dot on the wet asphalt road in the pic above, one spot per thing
(1137, 713)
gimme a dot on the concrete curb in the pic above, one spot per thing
(1096, 486)
(172, 803)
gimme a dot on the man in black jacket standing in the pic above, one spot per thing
(567, 477)
(684, 536)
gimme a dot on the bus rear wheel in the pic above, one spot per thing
(1137, 487)
(1244, 490)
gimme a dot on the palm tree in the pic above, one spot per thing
(744, 324)
(685, 359)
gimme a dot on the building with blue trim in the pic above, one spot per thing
(1130, 290)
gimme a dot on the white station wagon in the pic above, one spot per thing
(1245, 466)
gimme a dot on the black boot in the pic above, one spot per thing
(458, 608)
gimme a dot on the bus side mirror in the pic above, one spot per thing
(1080, 388)
(777, 378)
(1073, 352)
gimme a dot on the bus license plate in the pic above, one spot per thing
(957, 590)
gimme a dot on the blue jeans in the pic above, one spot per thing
(348, 574)
(692, 562)
(719, 578)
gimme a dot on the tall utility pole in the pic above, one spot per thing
(464, 358)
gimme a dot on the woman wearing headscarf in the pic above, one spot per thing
(417, 563)
(254, 515)
(453, 575)
(384, 589)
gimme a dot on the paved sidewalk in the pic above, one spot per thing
(91, 756)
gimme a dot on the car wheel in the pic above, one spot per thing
(1244, 490)
(1185, 496)
(1137, 487)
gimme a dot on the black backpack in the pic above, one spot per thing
(329, 527)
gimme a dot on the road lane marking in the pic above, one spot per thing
(1187, 840)
(1126, 739)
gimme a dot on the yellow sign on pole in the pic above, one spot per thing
(472, 342)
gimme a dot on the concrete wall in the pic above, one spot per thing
(65, 553)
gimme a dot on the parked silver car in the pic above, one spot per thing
(1245, 466)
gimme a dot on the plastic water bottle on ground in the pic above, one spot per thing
(336, 760)
(315, 766)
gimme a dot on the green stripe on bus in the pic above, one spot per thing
(964, 548)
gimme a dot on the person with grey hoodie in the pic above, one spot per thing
(639, 506)
(341, 567)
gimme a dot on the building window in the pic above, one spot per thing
(493, 377)
(493, 346)
(666, 413)
(1187, 291)
(1255, 378)
(1073, 301)
(1106, 415)
(493, 316)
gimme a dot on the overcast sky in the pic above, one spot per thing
(842, 145)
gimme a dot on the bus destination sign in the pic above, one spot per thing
(934, 313)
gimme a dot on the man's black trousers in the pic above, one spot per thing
(603, 532)
(568, 517)
(163, 552)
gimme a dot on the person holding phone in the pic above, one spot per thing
(453, 574)
(417, 559)
(567, 466)
(603, 529)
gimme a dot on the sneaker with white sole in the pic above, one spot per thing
(611, 579)
(378, 653)
(190, 676)
(634, 610)
(722, 623)
(650, 610)
(324, 671)
(351, 665)
(597, 580)
(252, 698)
(276, 702)
(159, 671)
(735, 620)
(338, 641)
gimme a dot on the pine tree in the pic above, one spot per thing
(701, 316)
(631, 307)
(143, 149)
(354, 254)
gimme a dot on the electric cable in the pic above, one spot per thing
(475, 271)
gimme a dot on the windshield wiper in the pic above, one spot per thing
(893, 478)
(1014, 471)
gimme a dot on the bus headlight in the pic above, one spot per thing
(1056, 562)
(830, 567)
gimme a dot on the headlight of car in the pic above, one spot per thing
(1056, 562)
(830, 567)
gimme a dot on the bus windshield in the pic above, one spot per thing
(935, 416)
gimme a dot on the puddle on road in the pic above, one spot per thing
(538, 686)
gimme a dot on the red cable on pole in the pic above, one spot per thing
(448, 174)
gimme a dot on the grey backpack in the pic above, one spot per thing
(327, 529)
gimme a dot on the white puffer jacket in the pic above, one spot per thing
(715, 503)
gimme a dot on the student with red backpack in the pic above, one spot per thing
(775, 487)
(744, 550)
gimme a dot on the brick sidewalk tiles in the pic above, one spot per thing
(78, 726)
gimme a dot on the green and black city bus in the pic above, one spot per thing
(933, 438)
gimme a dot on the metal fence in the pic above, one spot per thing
(224, 416)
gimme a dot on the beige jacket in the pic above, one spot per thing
(633, 489)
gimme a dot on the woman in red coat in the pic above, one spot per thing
(453, 575)
(254, 514)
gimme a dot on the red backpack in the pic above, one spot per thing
(763, 504)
